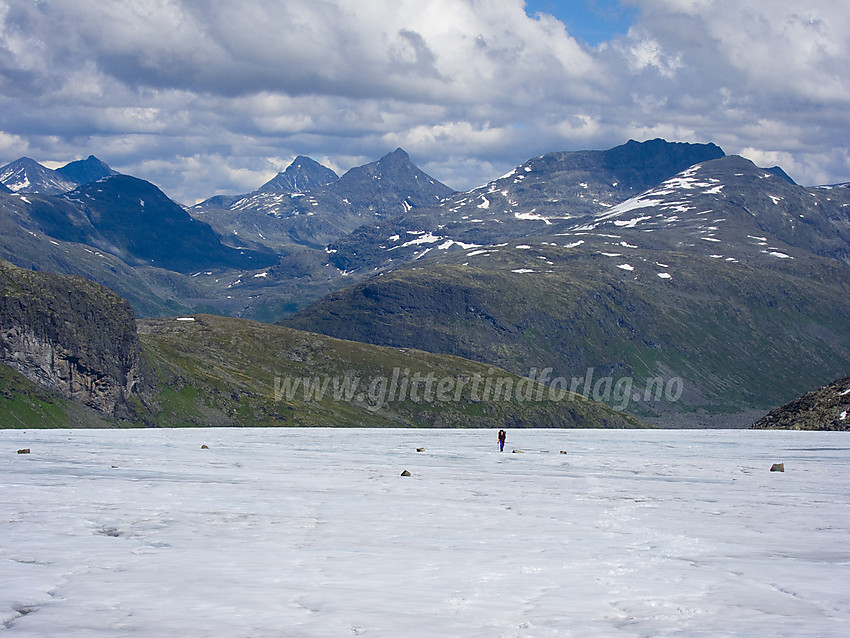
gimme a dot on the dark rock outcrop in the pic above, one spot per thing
(75, 337)
(827, 408)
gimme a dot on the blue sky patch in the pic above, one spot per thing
(591, 21)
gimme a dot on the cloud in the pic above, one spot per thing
(444, 50)
(777, 48)
(186, 93)
(766, 76)
(9, 142)
(647, 53)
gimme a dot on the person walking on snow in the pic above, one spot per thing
(502, 436)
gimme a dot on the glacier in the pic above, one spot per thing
(314, 532)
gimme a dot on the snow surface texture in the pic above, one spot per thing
(315, 533)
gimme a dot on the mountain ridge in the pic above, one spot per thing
(551, 190)
(721, 273)
(25, 175)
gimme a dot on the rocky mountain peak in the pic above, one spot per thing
(398, 155)
(392, 182)
(85, 171)
(304, 174)
(25, 175)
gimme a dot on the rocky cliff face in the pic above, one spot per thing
(75, 337)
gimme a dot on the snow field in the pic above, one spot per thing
(315, 533)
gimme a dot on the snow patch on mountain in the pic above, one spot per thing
(452, 242)
(631, 223)
(532, 216)
(423, 238)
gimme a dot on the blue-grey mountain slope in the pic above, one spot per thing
(126, 234)
(134, 220)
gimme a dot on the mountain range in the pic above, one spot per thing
(726, 276)
(651, 261)
(25, 175)
(284, 216)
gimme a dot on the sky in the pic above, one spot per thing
(204, 97)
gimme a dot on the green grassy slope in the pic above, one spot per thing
(232, 372)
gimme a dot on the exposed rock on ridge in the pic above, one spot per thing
(827, 408)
